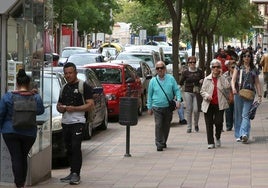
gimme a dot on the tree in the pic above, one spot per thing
(176, 15)
(92, 16)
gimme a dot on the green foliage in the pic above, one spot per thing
(144, 14)
(92, 16)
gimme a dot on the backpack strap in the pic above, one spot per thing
(80, 89)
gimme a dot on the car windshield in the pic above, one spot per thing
(108, 75)
(144, 57)
(67, 53)
(82, 59)
(47, 89)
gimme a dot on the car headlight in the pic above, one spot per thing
(110, 97)
(56, 123)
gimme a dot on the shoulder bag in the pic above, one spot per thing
(246, 94)
(172, 103)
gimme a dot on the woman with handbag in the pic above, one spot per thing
(214, 102)
(245, 83)
(192, 79)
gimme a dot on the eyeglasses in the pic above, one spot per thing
(246, 55)
(216, 67)
(159, 68)
(192, 62)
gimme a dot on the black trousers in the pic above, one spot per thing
(73, 136)
(214, 116)
(162, 117)
(19, 146)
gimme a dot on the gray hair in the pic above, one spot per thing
(215, 62)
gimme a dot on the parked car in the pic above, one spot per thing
(144, 72)
(150, 57)
(169, 59)
(83, 58)
(118, 80)
(99, 115)
(67, 51)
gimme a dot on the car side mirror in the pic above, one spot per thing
(97, 90)
(130, 80)
(148, 76)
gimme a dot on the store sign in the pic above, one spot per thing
(6, 5)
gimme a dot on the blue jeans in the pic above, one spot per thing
(229, 116)
(242, 121)
(181, 112)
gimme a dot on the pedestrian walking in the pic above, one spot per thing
(162, 89)
(73, 105)
(245, 79)
(191, 80)
(214, 103)
(229, 112)
(264, 64)
(19, 140)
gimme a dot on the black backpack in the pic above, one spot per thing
(24, 111)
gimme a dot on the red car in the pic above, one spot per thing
(118, 80)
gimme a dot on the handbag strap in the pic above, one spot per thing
(240, 78)
(162, 89)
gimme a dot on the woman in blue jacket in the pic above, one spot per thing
(18, 141)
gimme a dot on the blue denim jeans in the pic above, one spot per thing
(229, 116)
(181, 112)
(242, 121)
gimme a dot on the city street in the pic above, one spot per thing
(186, 163)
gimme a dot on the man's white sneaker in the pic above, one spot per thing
(211, 146)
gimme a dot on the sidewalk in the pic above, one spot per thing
(186, 163)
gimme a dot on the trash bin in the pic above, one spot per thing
(128, 113)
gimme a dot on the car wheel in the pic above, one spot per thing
(104, 123)
(87, 133)
(140, 107)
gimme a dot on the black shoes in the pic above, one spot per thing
(196, 128)
(66, 179)
(183, 122)
(160, 148)
(73, 179)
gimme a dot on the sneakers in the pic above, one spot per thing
(211, 146)
(244, 139)
(73, 179)
(66, 179)
(183, 122)
(238, 140)
(218, 143)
